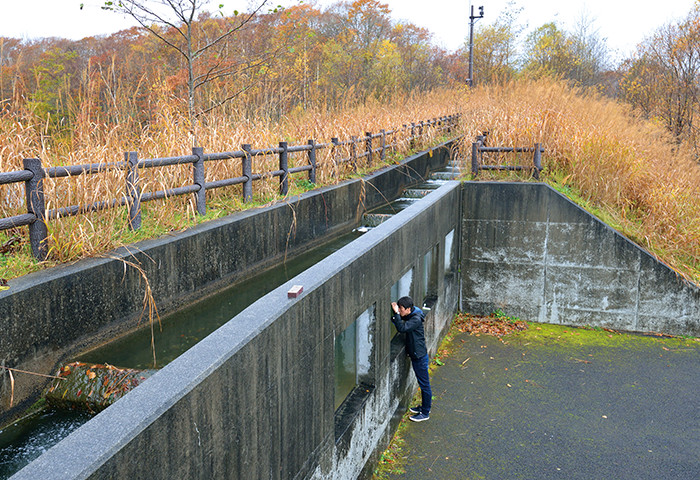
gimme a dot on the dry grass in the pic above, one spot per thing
(72, 238)
(626, 169)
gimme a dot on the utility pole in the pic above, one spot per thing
(472, 19)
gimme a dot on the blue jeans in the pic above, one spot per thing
(420, 368)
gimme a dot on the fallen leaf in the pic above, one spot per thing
(90, 374)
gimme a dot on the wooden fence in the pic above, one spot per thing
(479, 148)
(360, 148)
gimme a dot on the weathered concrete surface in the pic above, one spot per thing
(560, 408)
(533, 253)
(255, 399)
(47, 316)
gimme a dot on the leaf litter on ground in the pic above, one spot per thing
(495, 324)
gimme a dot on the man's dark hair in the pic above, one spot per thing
(405, 302)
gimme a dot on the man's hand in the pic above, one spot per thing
(395, 307)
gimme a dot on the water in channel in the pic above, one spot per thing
(182, 329)
(25, 440)
(28, 438)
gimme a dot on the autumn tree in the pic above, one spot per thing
(662, 79)
(495, 52)
(420, 68)
(354, 33)
(548, 52)
(202, 46)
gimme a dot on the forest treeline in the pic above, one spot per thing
(268, 63)
(304, 72)
(275, 62)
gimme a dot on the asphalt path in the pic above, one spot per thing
(561, 405)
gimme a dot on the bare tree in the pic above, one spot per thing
(590, 51)
(662, 81)
(174, 22)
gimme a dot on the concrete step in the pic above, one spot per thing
(444, 175)
(416, 193)
(374, 219)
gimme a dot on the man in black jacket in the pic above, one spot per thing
(409, 320)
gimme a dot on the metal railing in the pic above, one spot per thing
(360, 148)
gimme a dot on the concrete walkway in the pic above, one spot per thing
(561, 404)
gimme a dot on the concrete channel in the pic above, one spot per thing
(262, 396)
(185, 326)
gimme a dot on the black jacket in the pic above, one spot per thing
(412, 326)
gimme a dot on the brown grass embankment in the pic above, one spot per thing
(625, 169)
(169, 134)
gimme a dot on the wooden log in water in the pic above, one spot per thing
(93, 387)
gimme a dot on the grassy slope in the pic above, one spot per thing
(625, 170)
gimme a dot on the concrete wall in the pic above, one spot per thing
(255, 399)
(531, 252)
(49, 315)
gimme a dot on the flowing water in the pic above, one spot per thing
(28, 438)
(25, 440)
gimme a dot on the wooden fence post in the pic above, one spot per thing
(284, 166)
(34, 190)
(247, 171)
(368, 146)
(382, 151)
(334, 150)
(133, 190)
(537, 160)
(353, 153)
(475, 159)
(312, 161)
(198, 178)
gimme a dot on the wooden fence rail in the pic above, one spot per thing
(478, 149)
(33, 175)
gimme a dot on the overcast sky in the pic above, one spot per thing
(623, 22)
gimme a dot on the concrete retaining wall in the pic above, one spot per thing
(255, 399)
(531, 252)
(50, 315)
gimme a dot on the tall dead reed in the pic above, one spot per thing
(170, 134)
(628, 168)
